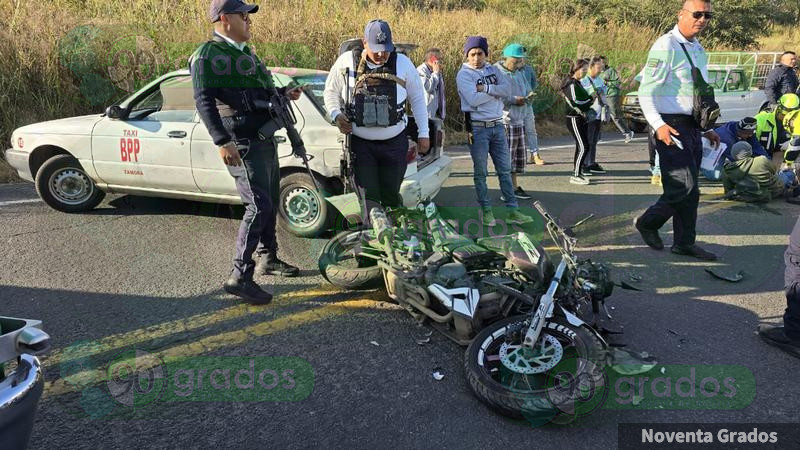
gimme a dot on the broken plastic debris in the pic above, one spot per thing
(663, 370)
(730, 278)
(628, 362)
(438, 375)
(627, 286)
(635, 278)
(672, 332)
(429, 333)
(405, 394)
(637, 399)
(423, 341)
(375, 343)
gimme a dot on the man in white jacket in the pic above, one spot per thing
(380, 81)
(430, 72)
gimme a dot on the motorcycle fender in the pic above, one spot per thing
(572, 318)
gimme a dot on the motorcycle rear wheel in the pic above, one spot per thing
(539, 397)
(341, 266)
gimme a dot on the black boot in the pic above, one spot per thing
(272, 265)
(247, 290)
(650, 237)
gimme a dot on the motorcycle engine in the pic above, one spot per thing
(595, 278)
(452, 275)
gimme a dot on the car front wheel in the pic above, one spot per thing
(64, 186)
(303, 211)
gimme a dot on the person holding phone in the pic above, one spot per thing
(430, 73)
(667, 97)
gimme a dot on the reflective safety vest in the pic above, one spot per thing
(769, 133)
(791, 123)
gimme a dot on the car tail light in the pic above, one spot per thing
(411, 156)
(439, 138)
(20, 142)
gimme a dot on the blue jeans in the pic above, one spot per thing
(485, 142)
(531, 138)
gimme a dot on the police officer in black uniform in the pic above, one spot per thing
(232, 91)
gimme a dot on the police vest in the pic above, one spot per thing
(375, 93)
(768, 132)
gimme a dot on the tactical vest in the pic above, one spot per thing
(375, 93)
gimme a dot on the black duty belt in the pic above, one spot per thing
(679, 119)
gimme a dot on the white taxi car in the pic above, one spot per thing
(154, 144)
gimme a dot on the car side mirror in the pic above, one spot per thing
(114, 112)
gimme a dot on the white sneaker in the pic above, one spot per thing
(578, 180)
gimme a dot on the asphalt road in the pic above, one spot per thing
(145, 275)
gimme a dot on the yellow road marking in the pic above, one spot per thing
(180, 325)
(81, 380)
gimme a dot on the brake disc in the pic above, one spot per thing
(542, 358)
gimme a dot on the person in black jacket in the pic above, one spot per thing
(787, 337)
(578, 102)
(782, 79)
(232, 91)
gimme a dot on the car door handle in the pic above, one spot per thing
(280, 139)
(177, 134)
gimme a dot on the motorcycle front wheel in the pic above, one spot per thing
(341, 264)
(561, 379)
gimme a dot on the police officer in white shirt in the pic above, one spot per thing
(666, 98)
(381, 81)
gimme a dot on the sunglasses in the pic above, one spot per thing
(696, 15)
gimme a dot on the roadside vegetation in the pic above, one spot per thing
(69, 57)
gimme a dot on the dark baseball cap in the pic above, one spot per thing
(219, 7)
(378, 36)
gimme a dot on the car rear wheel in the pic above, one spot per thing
(303, 211)
(64, 186)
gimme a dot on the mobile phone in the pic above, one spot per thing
(677, 142)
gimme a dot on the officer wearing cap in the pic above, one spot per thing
(380, 82)
(770, 130)
(666, 96)
(232, 91)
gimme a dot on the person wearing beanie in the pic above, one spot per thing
(482, 88)
(750, 178)
(515, 110)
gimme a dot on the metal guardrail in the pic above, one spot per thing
(756, 64)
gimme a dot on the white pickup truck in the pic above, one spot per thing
(732, 89)
(154, 144)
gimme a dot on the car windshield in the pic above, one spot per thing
(315, 86)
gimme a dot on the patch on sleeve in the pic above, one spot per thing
(654, 63)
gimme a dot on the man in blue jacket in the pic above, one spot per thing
(731, 133)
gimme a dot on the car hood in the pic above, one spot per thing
(70, 125)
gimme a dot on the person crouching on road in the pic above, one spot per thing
(482, 87)
(233, 107)
(514, 112)
(753, 178)
(578, 103)
(381, 81)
